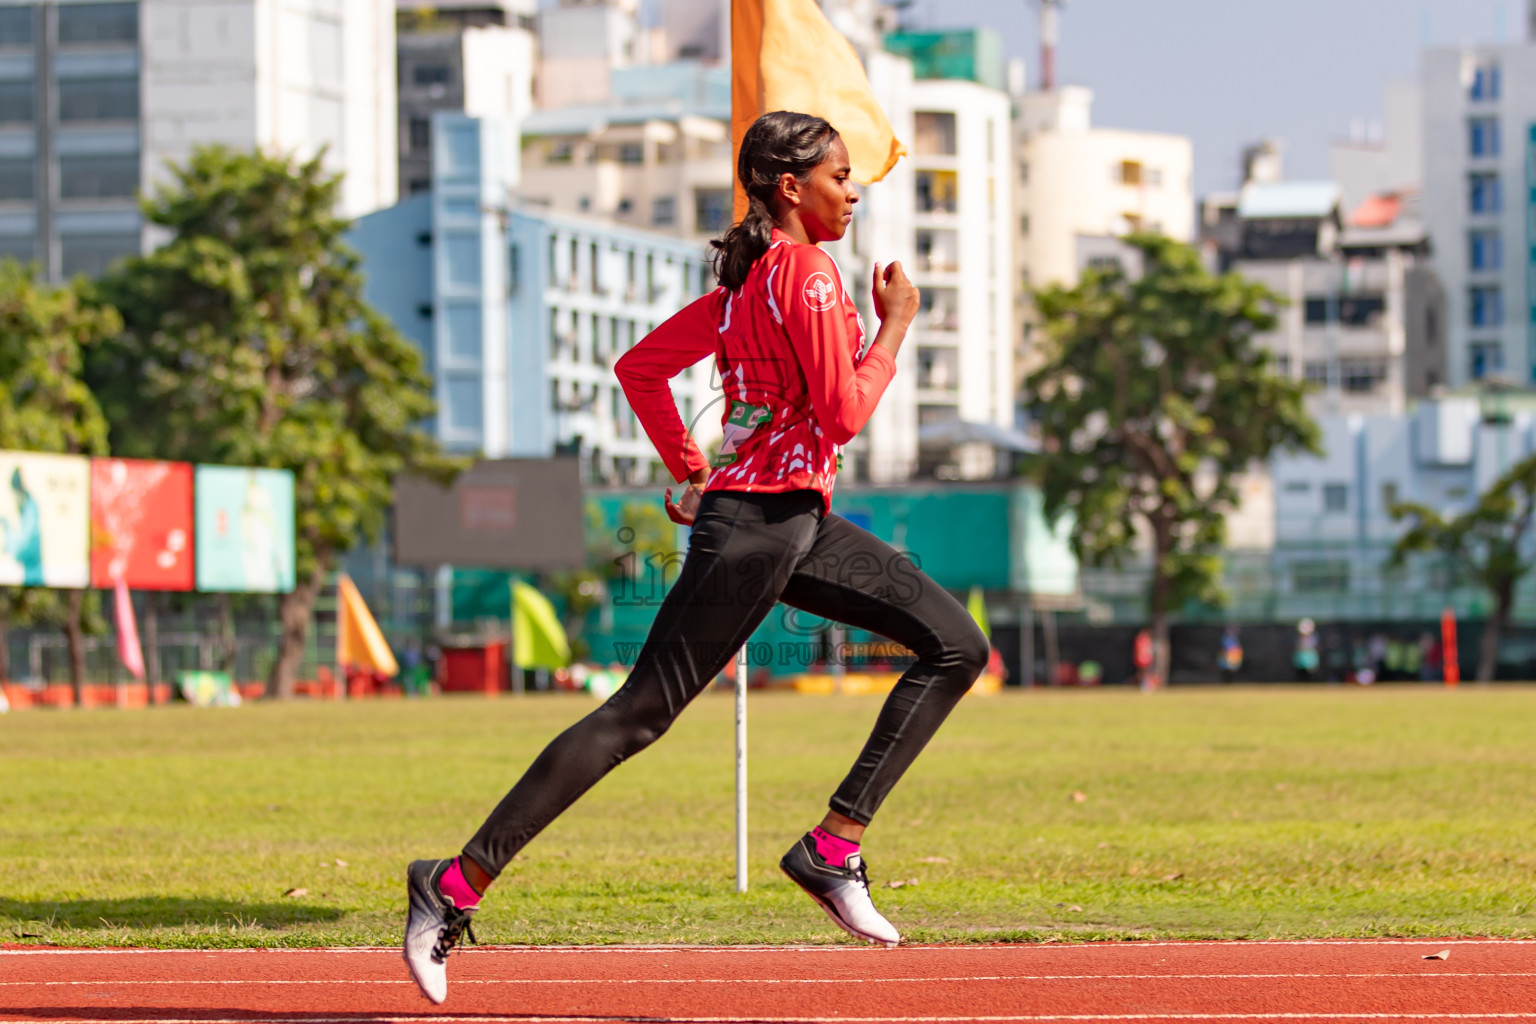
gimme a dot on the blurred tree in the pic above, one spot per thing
(1488, 542)
(246, 341)
(1151, 399)
(45, 406)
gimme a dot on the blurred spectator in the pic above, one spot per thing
(1392, 664)
(1376, 650)
(1305, 659)
(1141, 657)
(1230, 659)
(1363, 662)
(1434, 656)
(1413, 658)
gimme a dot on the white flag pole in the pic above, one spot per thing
(741, 769)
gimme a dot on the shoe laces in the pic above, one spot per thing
(455, 923)
(862, 875)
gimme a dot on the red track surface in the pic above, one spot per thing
(1179, 981)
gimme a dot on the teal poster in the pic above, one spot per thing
(245, 526)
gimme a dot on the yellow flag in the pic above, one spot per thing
(785, 55)
(359, 641)
(538, 639)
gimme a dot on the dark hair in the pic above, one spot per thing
(778, 143)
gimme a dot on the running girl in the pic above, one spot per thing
(798, 383)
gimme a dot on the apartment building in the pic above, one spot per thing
(656, 155)
(521, 312)
(963, 266)
(476, 57)
(96, 98)
(1480, 204)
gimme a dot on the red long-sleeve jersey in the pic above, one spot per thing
(795, 381)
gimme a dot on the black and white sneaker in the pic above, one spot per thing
(841, 890)
(432, 927)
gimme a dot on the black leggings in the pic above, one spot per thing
(747, 552)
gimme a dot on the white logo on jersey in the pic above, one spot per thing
(820, 293)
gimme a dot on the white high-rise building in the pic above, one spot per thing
(963, 205)
(1479, 113)
(581, 42)
(475, 57)
(1074, 181)
(96, 98)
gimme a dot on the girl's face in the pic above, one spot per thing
(826, 201)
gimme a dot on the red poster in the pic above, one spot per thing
(141, 524)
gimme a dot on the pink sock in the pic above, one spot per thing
(456, 887)
(833, 849)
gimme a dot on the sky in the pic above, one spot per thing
(1228, 72)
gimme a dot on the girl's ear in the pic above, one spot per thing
(789, 188)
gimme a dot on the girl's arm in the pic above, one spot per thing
(644, 371)
(809, 298)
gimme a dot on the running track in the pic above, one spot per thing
(1143, 981)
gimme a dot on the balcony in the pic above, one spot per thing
(938, 193)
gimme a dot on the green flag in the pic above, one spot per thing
(538, 639)
(976, 604)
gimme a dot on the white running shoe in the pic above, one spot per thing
(841, 890)
(432, 927)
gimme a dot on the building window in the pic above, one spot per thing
(1362, 375)
(933, 133)
(1154, 177)
(416, 186)
(420, 134)
(1486, 83)
(1315, 372)
(463, 254)
(1485, 249)
(464, 404)
(1389, 494)
(632, 153)
(1486, 358)
(938, 309)
(22, 248)
(99, 99)
(1483, 137)
(1335, 497)
(1350, 310)
(91, 255)
(1485, 194)
(937, 191)
(85, 24)
(1485, 306)
(626, 206)
(431, 74)
(1323, 577)
(16, 26)
(711, 209)
(560, 153)
(1128, 172)
(464, 332)
(17, 177)
(98, 177)
(663, 213)
(16, 103)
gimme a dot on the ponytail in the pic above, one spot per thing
(778, 143)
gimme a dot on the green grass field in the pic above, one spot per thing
(1208, 813)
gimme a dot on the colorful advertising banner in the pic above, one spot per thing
(245, 530)
(141, 524)
(44, 520)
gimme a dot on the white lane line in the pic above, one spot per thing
(784, 981)
(663, 950)
(588, 1018)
